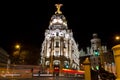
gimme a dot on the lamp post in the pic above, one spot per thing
(16, 53)
(17, 46)
(117, 39)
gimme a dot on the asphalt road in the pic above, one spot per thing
(45, 78)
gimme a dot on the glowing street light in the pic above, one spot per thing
(17, 46)
(117, 37)
(16, 53)
(17, 50)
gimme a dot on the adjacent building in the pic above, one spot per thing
(4, 58)
(98, 54)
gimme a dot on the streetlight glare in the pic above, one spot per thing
(117, 37)
(17, 46)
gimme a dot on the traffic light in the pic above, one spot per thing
(97, 67)
(56, 68)
(96, 53)
(66, 66)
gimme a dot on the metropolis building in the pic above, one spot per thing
(59, 48)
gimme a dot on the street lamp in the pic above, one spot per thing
(17, 49)
(17, 46)
(117, 38)
(16, 53)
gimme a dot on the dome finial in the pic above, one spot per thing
(58, 6)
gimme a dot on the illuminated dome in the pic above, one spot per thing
(58, 20)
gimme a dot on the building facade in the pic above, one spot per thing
(95, 49)
(4, 58)
(59, 49)
(98, 54)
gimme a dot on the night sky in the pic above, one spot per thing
(26, 22)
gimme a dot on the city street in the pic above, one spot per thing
(45, 78)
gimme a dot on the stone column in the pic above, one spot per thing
(116, 51)
(87, 69)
